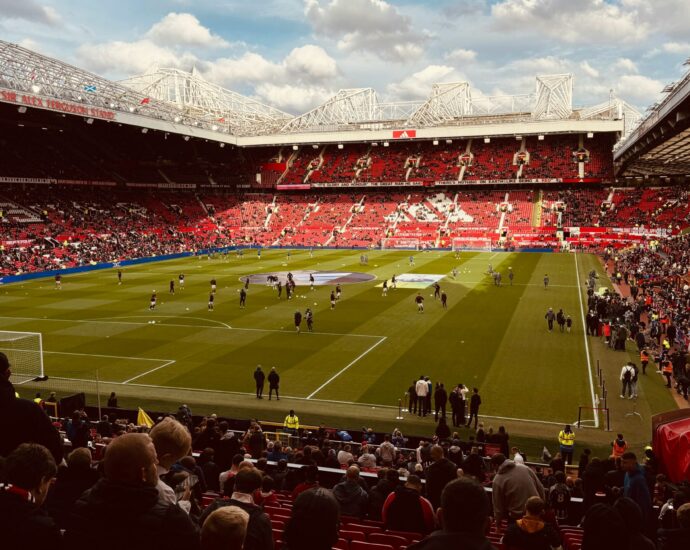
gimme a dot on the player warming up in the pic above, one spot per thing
(546, 281)
(384, 291)
(444, 299)
(211, 301)
(119, 277)
(338, 292)
(511, 275)
(311, 281)
(419, 299)
(298, 321)
(172, 286)
(180, 281)
(58, 281)
(332, 299)
(437, 291)
(152, 303)
(213, 286)
(309, 316)
(243, 298)
(394, 282)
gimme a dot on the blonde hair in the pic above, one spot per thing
(171, 438)
(225, 529)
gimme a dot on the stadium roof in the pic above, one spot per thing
(660, 144)
(185, 103)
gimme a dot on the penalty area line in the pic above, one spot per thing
(345, 368)
(166, 364)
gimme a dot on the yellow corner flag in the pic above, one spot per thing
(144, 419)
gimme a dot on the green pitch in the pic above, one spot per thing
(367, 350)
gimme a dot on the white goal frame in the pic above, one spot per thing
(472, 243)
(21, 368)
(400, 243)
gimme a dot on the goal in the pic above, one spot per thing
(472, 243)
(25, 353)
(399, 243)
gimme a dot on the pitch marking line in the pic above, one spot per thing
(584, 335)
(166, 362)
(345, 368)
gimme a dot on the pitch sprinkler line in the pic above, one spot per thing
(584, 335)
(345, 368)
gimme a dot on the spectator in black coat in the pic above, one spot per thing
(29, 471)
(388, 481)
(72, 481)
(210, 469)
(104, 427)
(128, 495)
(23, 421)
(440, 472)
(314, 521)
(676, 539)
(78, 431)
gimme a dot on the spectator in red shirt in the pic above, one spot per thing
(406, 509)
(311, 474)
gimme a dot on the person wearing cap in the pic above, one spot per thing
(23, 421)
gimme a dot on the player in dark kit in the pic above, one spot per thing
(243, 297)
(181, 281)
(309, 316)
(393, 282)
(288, 290)
(419, 299)
(311, 281)
(298, 321)
(58, 281)
(546, 281)
(444, 300)
(213, 286)
(152, 304)
(211, 299)
(337, 292)
(279, 286)
(172, 287)
(511, 275)
(119, 277)
(273, 383)
(246, 283)
(437, 291)
(332, 299)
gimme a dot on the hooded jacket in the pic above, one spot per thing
(146, 523)
(512, 486)
(351, 498)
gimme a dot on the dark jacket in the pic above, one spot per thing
(440, 540)
(673, 539)
(351, 498)
(145, 523)
(377, 496)
(405, 512)
(273, 379)
(259, 531)
(70, 485)
(23, 421)
(23, 525)
(475, 401)
(531, 534)
(438, 475)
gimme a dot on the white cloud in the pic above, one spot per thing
(626, 65)
(183, 29)
(639, 89)
(461, 56)
(28, 10)
(595, 21)
(418, 85)
(120, 59)
(589, 70)
(677, 47)
(311, 62)
(372, 26)
(296, 99)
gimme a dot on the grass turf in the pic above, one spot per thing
(365, 352)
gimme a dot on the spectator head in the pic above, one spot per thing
(236, 460)
(683, 516)
(436, 453)
(559, 477)
(413, 482)
(314, 522)
(5, 371)
(497, 460)
(464, 507)
(267, 484)
(603, 528)
(392, 475)
(131, 458)
(79, 459)
(628, 461)
(311, 473)
(535, 506)
(172, 441)
(630, 511)
(225, 529)
(352, 473)
(32, 468)
(247, 481)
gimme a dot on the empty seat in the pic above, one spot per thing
(386, 538)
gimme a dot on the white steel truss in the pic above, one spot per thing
(447, 102)
(554, 97)
(32, 73)
(614, 108)
(195, 96)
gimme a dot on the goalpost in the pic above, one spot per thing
(400, 243)
(472, 243)
(25, 353)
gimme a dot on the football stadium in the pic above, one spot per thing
(366, 319)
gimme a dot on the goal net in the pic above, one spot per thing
(399, 243)
(25, 353)
(472, 243)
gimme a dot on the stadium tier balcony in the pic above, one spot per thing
(339, 164)
(522, 206)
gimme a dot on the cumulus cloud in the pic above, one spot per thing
(311, 62)
(677, 47)
(596, 21)
(184, 29)
(120, 59)
(295, 99)
(589, 70)
(372, 26)
(418, 85)
(639, 89)
(461, 56)
(626, 65)
(28, 10)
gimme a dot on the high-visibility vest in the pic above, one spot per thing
(644, 356)
(291, 422)
(619, 449)
(667, 367)
(566, 439)
(38, 401)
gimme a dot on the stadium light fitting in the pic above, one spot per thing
(177, 119)
(222, 145)
(385, 144)
(518, 138)
(449, 141)
(375, 144)
(315, 146)
(294, 147)
(590, 135)
(89, 121)
(435, 142)
(214, 127)
(540, 137)
(487, 140)
(21, 109)
(340, 145)
(186, 138)
(144, 130)
(80, 98)
(132, 109)
(35, 88)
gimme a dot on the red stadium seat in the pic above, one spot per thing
(360, 545)
(386, 538)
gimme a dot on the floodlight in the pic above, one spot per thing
(89, 121)
(340, 145)
(449, 141)
(144, 130)
(315, 146)
(385, 144)
(294, 147)
(186, 138)
(21, 109)
(435, 142)
(222, 145)
(540, 137)
(487, 140)
(35, 88)
(177, 119)
(590, 135)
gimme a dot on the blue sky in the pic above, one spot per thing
(294, 54)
